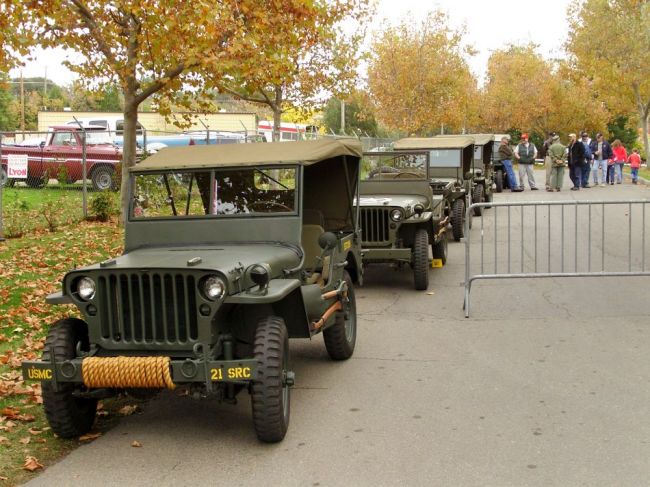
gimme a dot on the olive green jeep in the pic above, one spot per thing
(230, 250)
(449, 173)
(400, 217)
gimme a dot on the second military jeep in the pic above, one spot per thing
(449, 173)
(399, 214)
(230, 250)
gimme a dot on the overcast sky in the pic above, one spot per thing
(491, 24)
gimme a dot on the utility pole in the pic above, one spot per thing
(22, 102)
(45, 88)
(342, 117)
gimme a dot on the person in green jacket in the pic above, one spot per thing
(557, 153)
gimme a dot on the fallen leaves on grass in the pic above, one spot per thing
(136, 444)
(25, 441)
(31, 464)
(4, 440)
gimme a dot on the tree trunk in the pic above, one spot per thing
(646, 146)
(129, 148)
(277, 113)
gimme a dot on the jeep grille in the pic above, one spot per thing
(374, 225)
(152, 307)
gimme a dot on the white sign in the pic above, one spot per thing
(17, 166)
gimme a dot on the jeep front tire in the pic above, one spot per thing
(69, 416)
(341, 337)
(270, 395)
(421, 259)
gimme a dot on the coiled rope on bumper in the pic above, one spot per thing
(118, 372)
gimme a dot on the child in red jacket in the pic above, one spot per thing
(635, 163)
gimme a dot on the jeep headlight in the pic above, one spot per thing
(418, 209)
(213, 288)
(397, 215)
(86, 288)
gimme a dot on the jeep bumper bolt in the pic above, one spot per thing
(289, 378)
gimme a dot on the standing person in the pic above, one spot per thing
(505, 156)
(586, 169)
(620, 156)
(602, 152)
(576, 161)
(635, 164)
(557, 152)
(526, 153)
(543, 153)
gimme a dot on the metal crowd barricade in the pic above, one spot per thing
(537, 239)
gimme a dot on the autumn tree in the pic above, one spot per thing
(316, 56)
(158, 48)
(359, 116)
(418, 77)
(609, 41)
(524, 91)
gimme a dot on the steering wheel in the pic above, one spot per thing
(400, 174)
(270, 203)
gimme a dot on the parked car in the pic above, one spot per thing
(252, 245)
(61, 154)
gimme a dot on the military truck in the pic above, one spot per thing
(399, 214)
(482, 169)
(449, 173)
(230, 250)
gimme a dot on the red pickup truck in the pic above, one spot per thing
(61, 153)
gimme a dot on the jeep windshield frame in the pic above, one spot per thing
(215, 193)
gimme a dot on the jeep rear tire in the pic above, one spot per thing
(270, 395)
(478, 197)
(341, 337)
(458, 219)
(69, 416)
(439, 249)
(498, 180)
(102, 178)
(421, 259)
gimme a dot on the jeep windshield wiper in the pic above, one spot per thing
(272, 179)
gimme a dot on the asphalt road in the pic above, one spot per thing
(548, 383)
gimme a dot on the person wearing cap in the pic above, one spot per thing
(557, 153)
(602, 152)
(576, 161)
(525, 153)
(586, 170)
(505, 155)
(543, 153)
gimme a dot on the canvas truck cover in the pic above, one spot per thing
(438, 142)
(205, 156)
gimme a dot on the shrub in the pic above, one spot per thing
(52, 212)
(14, 219)
(103, 206)
(62, 175)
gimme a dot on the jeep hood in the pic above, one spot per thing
(225, 259)
(391, 200)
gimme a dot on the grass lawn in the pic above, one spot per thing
(26, 210)
(30, 268)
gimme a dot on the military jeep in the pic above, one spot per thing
(230, 250)
(449, 172)
(482, 169)
(399, 214)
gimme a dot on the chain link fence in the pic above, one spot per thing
(71, 172)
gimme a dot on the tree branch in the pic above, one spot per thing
(265, 100)
(89, 21)
(160, 83)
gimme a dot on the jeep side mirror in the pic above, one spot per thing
(327, 241)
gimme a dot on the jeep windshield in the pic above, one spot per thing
(224, 193)
(394, 166)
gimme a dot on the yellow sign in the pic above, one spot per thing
(347, 244)
(39, 374)
(436, 263)
(231, 373)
